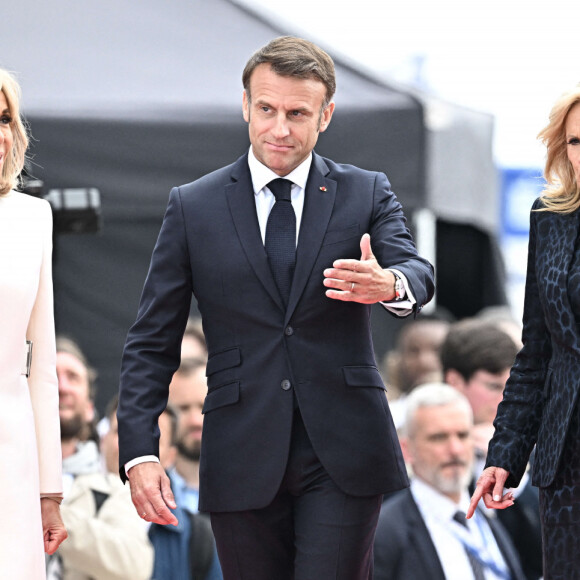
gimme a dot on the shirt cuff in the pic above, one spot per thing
(137, 460)
(401, 307)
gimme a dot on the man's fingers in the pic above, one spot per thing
(162, 515)
(365, 248)
(167, 494)
(151, 493)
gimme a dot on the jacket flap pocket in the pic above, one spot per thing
(226, 359)
(221, 397)
(362, 377)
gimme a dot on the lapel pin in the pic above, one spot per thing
(322, 188)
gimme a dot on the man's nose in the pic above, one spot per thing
(63, 383)
(456, 445)
(281, 127)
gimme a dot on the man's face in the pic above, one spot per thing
(285, 117)
(186, 395)
(440, 449)
(484, 392)
(75, 406)
(419, 352)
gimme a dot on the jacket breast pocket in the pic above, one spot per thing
(222, 397)
(340, 235)
(363, 376)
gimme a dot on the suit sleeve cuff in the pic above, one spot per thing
(401, 307)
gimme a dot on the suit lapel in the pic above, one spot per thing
(318, 204)
(240, 196)
(424, 546)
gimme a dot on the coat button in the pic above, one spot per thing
(286, 384)
(288, 331)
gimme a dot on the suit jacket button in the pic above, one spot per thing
(288, 331)
(286, 384)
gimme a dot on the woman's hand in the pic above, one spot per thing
(490, 486)
(53, 528)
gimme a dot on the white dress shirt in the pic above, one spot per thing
(265, 200)
(437, 511)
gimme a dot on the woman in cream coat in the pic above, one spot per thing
(30, 456)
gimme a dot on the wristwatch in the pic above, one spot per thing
(400, 291)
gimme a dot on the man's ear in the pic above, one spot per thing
(246, 107)
(406, 448)
(456, 380)
(326, 116)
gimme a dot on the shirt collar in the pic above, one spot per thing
(434, 502)
(262, 175)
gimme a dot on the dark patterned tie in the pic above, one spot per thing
(476, 565)
(281, 237)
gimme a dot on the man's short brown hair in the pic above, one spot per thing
(290, 56)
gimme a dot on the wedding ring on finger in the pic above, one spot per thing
(352, 287)
(144, 515)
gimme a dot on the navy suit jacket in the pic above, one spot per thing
(541, 393)
(261, 354)
(403, 548)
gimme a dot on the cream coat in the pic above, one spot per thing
(108, 544)
(30, 453)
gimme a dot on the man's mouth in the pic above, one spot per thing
(279, 146)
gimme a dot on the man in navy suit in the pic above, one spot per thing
(298, 441)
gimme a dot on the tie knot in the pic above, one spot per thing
(459, 517)
(280, 188)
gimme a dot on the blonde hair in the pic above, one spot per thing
(562, 192)
(14, 161)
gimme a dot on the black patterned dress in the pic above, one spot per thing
(560, 501)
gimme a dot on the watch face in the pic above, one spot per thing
(399, 289)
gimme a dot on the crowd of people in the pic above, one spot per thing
(445, 423)
(107, 539)
(303, 472)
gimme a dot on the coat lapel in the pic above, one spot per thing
(318, 204)
(240, 196)
(556, 237)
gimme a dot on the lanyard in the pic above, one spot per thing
(480, 552)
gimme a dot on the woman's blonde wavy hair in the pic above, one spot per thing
(14, 161)
(562, 192)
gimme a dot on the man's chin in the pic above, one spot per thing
(70, 427)
(190, 452)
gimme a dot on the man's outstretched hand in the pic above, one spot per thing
(361, 280)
